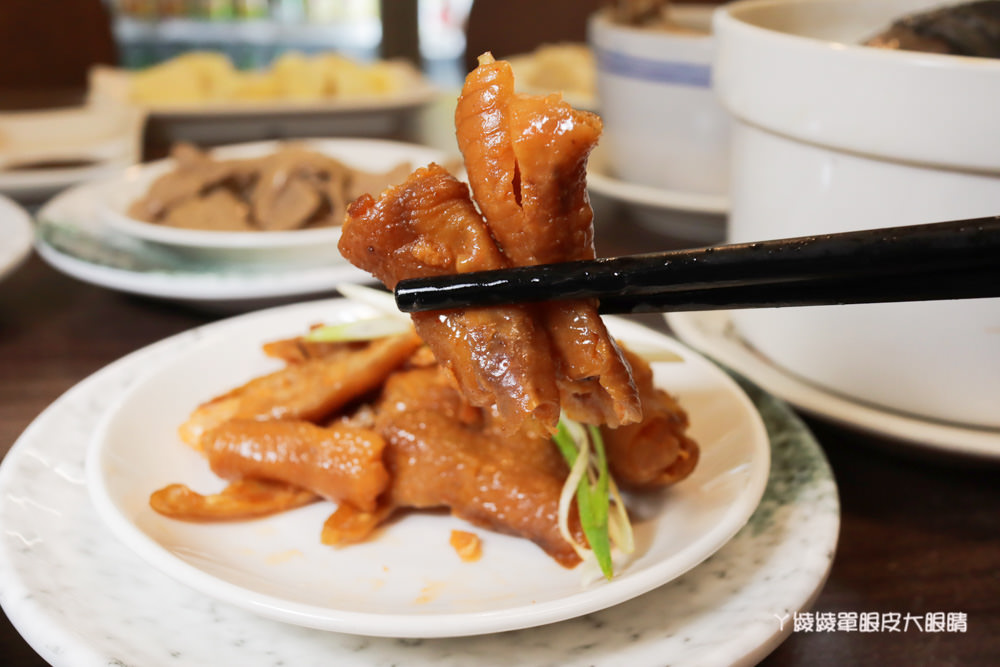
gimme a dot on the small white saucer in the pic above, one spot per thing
(277, 567)
(712, 333)
(691, 215)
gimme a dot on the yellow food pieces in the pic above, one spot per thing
(566, 67)
(206, 77)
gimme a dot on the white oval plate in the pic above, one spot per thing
(16, 232)
(367, 154)
(713, 334)
(82, 599)
(407, 582)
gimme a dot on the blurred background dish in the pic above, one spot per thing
(814, 153)
(565, 67)
(42, 152)
(205, 81)
(207, 84)
(16, 233)
(371, 158)
(377, 102)
(663, 126)
(73, 238)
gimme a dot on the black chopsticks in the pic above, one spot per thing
(946, 260)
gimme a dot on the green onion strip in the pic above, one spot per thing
(590, 482)
(389, 320)
(576, 452)
(592, 501)
(355, 330)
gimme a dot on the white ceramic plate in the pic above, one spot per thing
(688, 214)
(82, 599)
(407, 582)
(713, 334)
(15, 236)
(366, 154)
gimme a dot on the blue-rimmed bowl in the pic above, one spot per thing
(663, 126)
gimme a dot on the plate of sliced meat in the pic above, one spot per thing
(86, 231)
(269, 195)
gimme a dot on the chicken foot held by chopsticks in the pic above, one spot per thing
(428, 225)
(527, 157)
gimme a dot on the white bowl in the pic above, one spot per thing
(832, 136)
(367, 154)
(663, 126)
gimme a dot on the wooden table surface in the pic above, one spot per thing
(919, 534)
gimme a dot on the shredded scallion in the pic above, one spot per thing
(387, 321)
(590, 482)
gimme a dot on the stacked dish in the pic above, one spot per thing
(90, 233)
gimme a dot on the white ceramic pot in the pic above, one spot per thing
(663, 126)
(832, 136)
